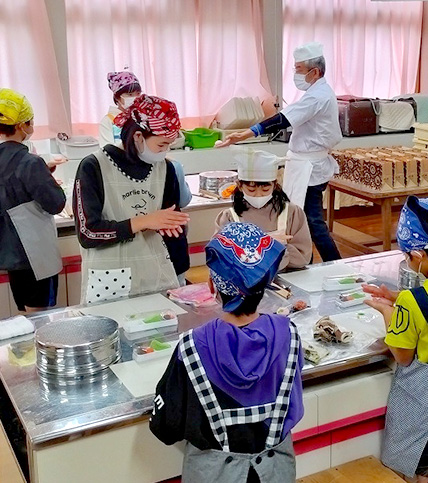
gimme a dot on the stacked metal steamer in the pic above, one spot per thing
(212, 181)
(77, 349)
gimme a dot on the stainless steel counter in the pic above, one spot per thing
(51, 414)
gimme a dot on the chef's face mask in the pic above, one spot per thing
(300, 81)
(257, 201)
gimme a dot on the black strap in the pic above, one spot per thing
(421, 297)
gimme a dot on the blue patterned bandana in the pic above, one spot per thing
(412, 229)
(242, 260)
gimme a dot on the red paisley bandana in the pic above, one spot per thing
(153, 114)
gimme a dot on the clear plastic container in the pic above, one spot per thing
(350, 298)
(341, 282)
(149, 320)
(153, 348)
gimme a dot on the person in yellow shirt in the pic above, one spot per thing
(405, 446)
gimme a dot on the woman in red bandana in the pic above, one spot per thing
(124, 201)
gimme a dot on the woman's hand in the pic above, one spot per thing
(55, 160)
(235, 137)
(167, 219)
(171, 233)
(382, 292)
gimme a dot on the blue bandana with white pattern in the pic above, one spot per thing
(411, 234)
(242, 260)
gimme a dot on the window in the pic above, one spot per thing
(371, 48)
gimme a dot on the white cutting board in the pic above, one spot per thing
(141, 378)
(369, 322)
(311, 279)
(119, 309)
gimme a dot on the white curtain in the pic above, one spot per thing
(371, 48)
(197, 53)
(28, 63)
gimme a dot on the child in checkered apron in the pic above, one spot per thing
(233, 387)
(405, 446)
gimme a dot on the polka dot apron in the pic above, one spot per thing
(135, 266)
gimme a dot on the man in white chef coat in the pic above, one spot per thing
(316, 130)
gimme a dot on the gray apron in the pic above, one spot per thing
(38, 234)
(406, 428)
(135, 266)
(276, 463)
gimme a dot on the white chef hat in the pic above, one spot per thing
(308, 51)
(256, 165)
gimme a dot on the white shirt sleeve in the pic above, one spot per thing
(302, 110)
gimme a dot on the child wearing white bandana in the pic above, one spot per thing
(259, 199)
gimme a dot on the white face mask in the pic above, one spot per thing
(300, 81)
(148, 156)
(257, 201)
(128, 101)
(27, 135)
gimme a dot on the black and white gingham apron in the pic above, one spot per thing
(275, 464)
(406, 428)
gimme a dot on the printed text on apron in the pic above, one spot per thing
(137, 266)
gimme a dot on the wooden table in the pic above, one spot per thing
(385, 199)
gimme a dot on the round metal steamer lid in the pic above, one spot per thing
(76, 331)
(212, 180)
(77, 346)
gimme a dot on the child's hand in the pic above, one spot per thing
(380, 292)
(379, 303)
(280, 236)
(384, 306)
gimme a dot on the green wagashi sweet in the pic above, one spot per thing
(154, 318)
(157, 345)
(347, 280)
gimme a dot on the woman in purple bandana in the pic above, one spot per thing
(233, 387)
(405, 447)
